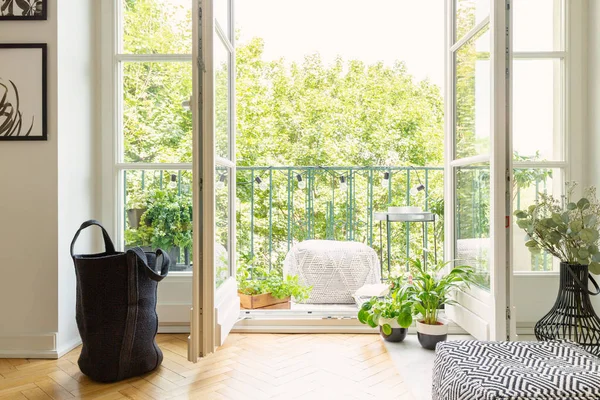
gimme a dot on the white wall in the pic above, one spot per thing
(77, 155)
(28, 214)
(48, 189)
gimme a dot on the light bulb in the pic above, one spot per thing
(173, 182)
(413, 191)
(221, 182)
(386, 179)
(301, 185)
(343, 184)
(263, 185)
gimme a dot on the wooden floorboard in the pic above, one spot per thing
(247, 366)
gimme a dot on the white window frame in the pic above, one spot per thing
(571, 101)
(112, 163)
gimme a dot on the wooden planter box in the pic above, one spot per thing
(263, 301)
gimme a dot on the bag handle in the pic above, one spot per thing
(577, 281)
(108, 244)
(165, 262)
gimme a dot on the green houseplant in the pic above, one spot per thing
(433, 288)
(569, 230)
(392, 313)
(260, 289)
(166, 224)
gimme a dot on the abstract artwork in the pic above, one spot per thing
(23, 92)
(33, 10)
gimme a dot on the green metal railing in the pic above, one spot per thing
(291, 204)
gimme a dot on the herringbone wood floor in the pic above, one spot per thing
(248, 366)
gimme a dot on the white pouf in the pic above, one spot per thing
(334, 269)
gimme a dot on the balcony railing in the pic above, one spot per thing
(278, 207)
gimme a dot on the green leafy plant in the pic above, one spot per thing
(137, 198)
(170, 217)
(432, 287)
(397, 305)
(567, 229)
(262, 282)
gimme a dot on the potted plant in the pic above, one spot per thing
(433, 288)
(269, 290)
(392, 313)
(569, 230)
(137, 204)
(170, 216)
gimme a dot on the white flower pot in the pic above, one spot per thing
(430, 335)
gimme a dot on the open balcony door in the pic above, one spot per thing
(477, 160)
(215, 304)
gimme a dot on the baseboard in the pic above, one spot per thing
(27, 345)
(70, 346)
(174, 328)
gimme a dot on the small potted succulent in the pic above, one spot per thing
(391, 313)
(431, 290)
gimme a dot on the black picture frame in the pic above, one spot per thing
(43, 16)
(30, 107)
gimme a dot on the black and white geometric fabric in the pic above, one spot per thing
(477, 370)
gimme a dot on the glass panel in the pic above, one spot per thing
(527, 184)
(537, 133)
(537, 25)
(221, 8)
(158, 213)
(157, 26)
(468, 14)
(222, 127)
(156, 127)
(472, 91)
(222, 265)
(472, 220)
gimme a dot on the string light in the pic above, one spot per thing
(301, 183)
(173, 181)
(417, 189)
(343, 184)
(221, 183)
(262, 185)
(386, 179)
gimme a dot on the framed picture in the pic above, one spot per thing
(23, 92)
(23, 10)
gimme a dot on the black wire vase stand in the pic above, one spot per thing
(573, 317)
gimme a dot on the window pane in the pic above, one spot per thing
(221, 99)
(157, 26)
(472, 91)
(156, 127)
(222, 265)
(473, 220)
(222, 15)
(537, 133)
(537, 25)
(468, 14)
(527, 184)
(158, 213)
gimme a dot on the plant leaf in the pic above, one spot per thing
(386, 329)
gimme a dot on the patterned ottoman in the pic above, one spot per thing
(473, 370)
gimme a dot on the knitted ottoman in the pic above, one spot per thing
(473, 370)
(335, 270)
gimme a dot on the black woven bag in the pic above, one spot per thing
(116, 310)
